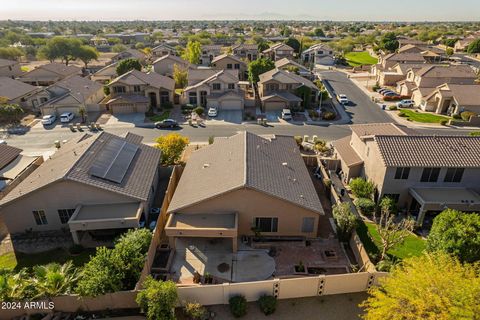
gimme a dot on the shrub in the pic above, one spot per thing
(238, 306)
(158, 299)
(211, 139)
(329, 116)
(456, 116)
(194, 310)
(466, 115)
(298, 140)
(362, 188)
(384, 265)
(199, 110)
(367, 206)
(344, 219)
(402, 114)
(267, 304)
(392, 108)
(313, 114)
(443, 122)
(327, 183)
(474, 134)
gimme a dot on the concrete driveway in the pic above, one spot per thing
(128, 118)
(273, 116)
(228, 116)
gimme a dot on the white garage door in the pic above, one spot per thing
(231, 105)
(122, 108)
(73, 110)
(275, 105)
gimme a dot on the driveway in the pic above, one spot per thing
(228, 116)
(125, 119)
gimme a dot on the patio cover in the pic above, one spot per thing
(437, 199)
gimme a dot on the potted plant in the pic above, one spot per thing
(207, 278)
(300, 268)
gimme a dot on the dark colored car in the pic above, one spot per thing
(167, 123)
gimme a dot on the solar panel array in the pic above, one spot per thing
(114, 160)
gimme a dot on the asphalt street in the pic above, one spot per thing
(361, 110)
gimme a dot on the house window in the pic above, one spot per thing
(65, 215)
(40, 217)
(308, 225)
(164, 97)
(192, 98)
(430, 175)
(237, 66)
(289, 86)
(272, 87)
(231, 86)
(393, 196)
(402, 173)
(119, 89)
(454, 175)
(266, 224)
(229, 66)
(216, 86)
(136, 89)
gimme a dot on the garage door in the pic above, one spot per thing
(231, 105)
(73, 110)
(122, 108)
(274, 105)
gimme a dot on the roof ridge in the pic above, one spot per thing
(245, 172)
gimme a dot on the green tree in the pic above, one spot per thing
(172, 146)
(16, 286)
(449, 51)
(389, 42)
(139, 45)
(10, 113)
(257, 67)
(127, 65)
(344, 219)
(158, 299)
(456, 233)
(66, 49)
(362, 188)
(11, 53)
(294, 43)
(449, 42)
(54, 279)
(193, 52)
(87, 54)
(474, 47)
(432, 286)
(318, 32)
(180, 75)
(118, 48)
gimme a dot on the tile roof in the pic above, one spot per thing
(450, 71)
(272, 166)
(347, 153)
(6, 63)
(73, 162)
(429, 151)
(77, 84)
(286, 77)
(285, 62)
(8, 154)
(245, 46)
(231, 56)
(60, 68)
(153, 79)
(174, 58)
(372, 129)
(13, 89)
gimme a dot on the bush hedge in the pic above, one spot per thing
(238, 306)
(267, 304)
(365, 205)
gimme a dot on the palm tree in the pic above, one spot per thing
(54, 279)
(82, 112)
(16, 286)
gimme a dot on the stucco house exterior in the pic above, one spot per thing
(163, 49)
(230, 62)
(385, 62)
(268, 190)
(395, 76)
(10, 68)
(136, 91)
(209, 52)
(318, 54)
(290, 65)
(164, 65)
(278, 89)
(279, 51)
(217, 88)
(17, 92)
(423, 174)
(452, 98)
(130, 54)
(92, 187)
(48, 74)
(246, 51)
(105, 74)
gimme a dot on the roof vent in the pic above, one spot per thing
(284, 164)
(206, 165)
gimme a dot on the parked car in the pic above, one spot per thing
(391, 94)
(342, 99)
(66, 117)
(212, 112)
(405, 104)
(48, 120)
(382, 90)
(167, 123)
(286, 114)
(3, 142)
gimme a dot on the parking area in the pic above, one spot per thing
(228, 116)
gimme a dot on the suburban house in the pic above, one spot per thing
(403, 41)
(136, 91)
(462, 44)
(17, 92)
(14, 167)
(70, 95)
(279, 51)
(164, 65)
(209, 52)
(452, 98)
(130, 54)
(230, 62)
(10, 69)
(292, 66)
(280, 89)
(386, 62)
(106, 74)
(95, 187)
(424, 174)
(268, 191)
(429, 53)
(163, 49)
(246, 51)
(48, 74)
(425, 80)
(220, 89)
(397, 74)
(318, 54)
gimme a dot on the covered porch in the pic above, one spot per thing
(102, 223)
(428, 201)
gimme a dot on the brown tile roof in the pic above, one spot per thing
(6, 63)
(245, 46)
(13, 89)
(231, 56)
(272, 166)
(61, 69)
(135, 77)
(8, 154)
(449, 71)
(74, 160)
(429, 151)
(373, 129)
(346, 152)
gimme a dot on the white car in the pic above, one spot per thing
(66, 117)
(286, 114)
(3, 142)
(405, 104)
(212, 112)
(48, 120)
(342, 99)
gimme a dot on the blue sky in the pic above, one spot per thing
(380, 10)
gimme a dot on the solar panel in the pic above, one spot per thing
(114, 160)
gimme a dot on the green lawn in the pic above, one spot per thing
(422, 116)
(160, 117)
(21, 260)
(355, 59)
(368, 233)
